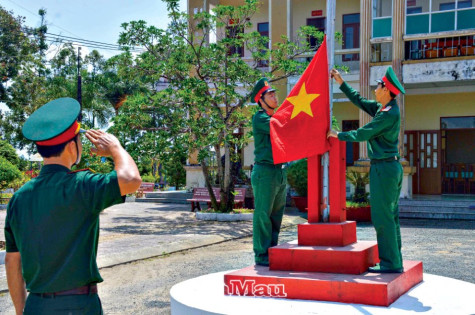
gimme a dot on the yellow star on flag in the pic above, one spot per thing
(302, 102)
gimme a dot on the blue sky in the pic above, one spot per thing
(97, 20)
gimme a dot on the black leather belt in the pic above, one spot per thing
(391, 159)
(86, 289)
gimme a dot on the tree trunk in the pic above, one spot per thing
(228, 200)
(205, 169)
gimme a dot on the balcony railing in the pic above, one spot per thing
(440, 47)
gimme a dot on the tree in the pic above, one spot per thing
(8, 173)
(207, 86)
(20, 68)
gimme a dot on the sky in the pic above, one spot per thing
(96, 20)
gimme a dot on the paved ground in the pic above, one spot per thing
(131, 231)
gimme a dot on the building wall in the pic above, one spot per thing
(345, 111)
(423, 112)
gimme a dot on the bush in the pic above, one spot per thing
(359, 180)
(148, 178)
(8, 173)
(297, 177)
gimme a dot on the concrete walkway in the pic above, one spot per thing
(136, 231)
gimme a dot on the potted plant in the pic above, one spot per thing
(358, 209)
(297, 178)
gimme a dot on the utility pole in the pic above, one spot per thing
(79, 90)
(330, 30)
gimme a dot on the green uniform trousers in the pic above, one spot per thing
(385, 186)
(80, 304)
(269, 186)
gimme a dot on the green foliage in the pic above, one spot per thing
(204, 88)
(297, 177)
(359, 180)
(95, 163)
(148, 178)
(8, 152)
(353, 204)
(8, 173)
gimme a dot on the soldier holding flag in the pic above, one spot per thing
(382, 135)
(268, 179)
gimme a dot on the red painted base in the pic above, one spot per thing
(351, 259)
(361, 214)
(327, 234)
(368, 288)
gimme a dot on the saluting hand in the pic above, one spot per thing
(104, 142)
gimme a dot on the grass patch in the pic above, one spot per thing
(241, 210)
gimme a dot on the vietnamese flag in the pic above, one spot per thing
(299, 127)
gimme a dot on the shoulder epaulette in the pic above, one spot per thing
(386, 109)
(82, 170)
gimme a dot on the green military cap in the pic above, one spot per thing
(391, 81)
(54, 123)
(262, 86)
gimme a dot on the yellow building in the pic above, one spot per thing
(431, 46)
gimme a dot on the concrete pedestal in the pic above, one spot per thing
(435, 295)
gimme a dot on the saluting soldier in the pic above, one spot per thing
(52, 222)
(382, 135)
(268, 180)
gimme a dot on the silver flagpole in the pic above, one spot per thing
(330, 32)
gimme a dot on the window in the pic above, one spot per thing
(382, 18)
(351, 35)
(319, 24)
(382, 52)
(235, 33)
(414, 10)
(438, 16)
(263, 29)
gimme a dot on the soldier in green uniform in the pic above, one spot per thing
(52, 222)
(268, 180)
(386, 173)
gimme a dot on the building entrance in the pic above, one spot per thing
(422, 150)
(458, 155)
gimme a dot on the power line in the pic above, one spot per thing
(91, 42)
(36, 14)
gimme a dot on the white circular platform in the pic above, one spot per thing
(435, 295)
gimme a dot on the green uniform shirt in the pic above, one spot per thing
(261, 133)
(382, 133)
(53, 221)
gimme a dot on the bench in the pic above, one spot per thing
(202, 195)
(145, 187)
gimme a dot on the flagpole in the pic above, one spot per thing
(330, 32)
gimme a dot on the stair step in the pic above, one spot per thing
(436, 203)
(162, 200)
(437, 215)
(350, 259)
(367, 288)
(174, 195)
(434, 209)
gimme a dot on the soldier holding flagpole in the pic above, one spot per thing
(382, 136)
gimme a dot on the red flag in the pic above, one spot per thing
(299, 127)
